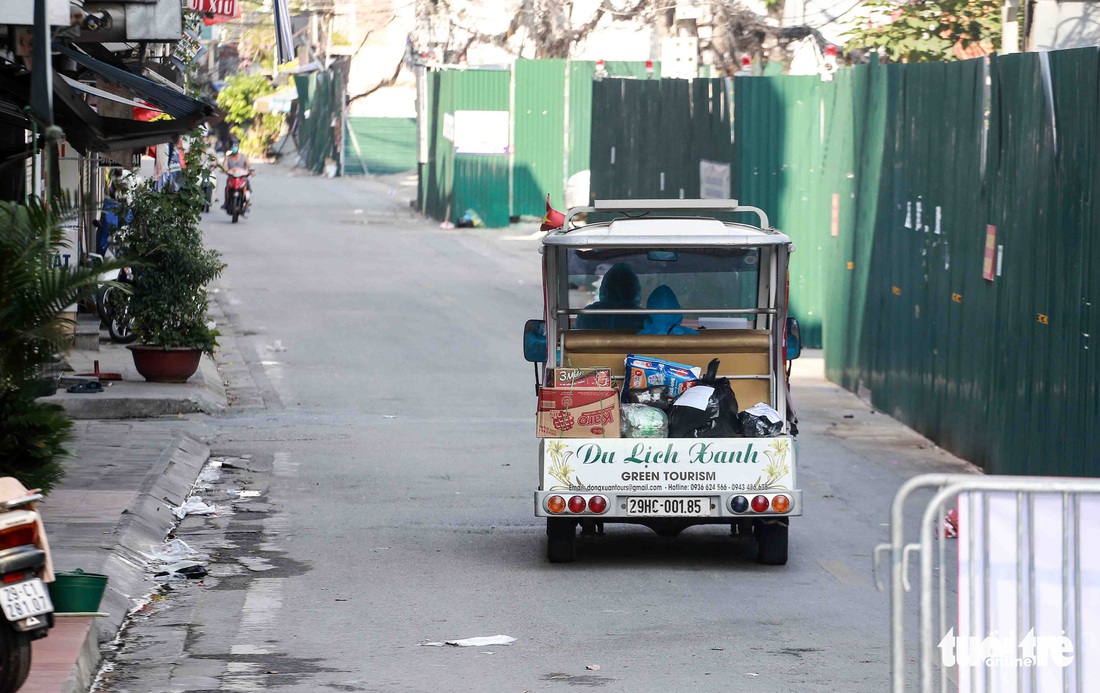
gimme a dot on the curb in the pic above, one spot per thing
(146, 522)
(205, 397)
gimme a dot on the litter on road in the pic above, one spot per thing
(171, 552)
(474, 642)
(194, 506)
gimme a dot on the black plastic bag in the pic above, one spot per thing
(760, 421)
(706, 410)
(653, 396)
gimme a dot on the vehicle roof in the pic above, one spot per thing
(664, 232)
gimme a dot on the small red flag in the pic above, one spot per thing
(553, 219)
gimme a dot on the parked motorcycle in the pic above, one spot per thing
(236, 196)
(112, 303)
(25, 568)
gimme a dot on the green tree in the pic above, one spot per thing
(916, 31)
(164, 243)
(34, 290)
(238, 97)
(256, 131)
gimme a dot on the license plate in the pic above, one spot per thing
(25, 599)
(667, 506)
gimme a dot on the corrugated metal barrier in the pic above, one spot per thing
(549, 117)
(650, 137)
(379, 146)
(945, 229)
(320, 99)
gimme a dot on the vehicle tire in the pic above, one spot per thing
(236, 215)
(15, 658)
(100, 305)
(116, 314)
(561, 540)
(771, 542)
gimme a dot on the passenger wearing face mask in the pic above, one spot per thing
(620, 288)
(664, 323)
(234, 159)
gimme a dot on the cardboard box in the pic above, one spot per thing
(575, 412)
(580, 377)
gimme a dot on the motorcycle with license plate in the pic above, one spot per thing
(25, 568)
(237, 193)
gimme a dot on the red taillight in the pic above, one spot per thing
(17, 536)
(17, 577)
(597, 504)
(759, 504)
(577, 504)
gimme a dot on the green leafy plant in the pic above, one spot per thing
(164, 244)
(261, 136)
(256, 131)
(36, 286)
(912, 31)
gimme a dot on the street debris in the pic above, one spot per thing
(183, 570)
(277, 346)
(248, 494)
(194, 506)
(593, 667)
(473, 642)
(210, 476)
(749, 673)
(172, 551)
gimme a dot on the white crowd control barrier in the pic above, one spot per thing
(1010, 605)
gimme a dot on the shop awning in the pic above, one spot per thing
(100, 93)
(85, 129)
(166, 99)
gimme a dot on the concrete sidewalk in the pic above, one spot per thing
(115, 501)
(132, 397)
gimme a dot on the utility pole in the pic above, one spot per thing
(1010, 27)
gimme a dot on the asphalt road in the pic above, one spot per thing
(396, 458)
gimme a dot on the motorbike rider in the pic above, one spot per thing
(234, 158)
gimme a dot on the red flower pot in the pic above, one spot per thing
(160, 365)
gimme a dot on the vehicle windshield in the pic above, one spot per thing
(696, 278)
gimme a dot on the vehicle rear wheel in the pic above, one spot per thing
(116, 309)
(236, 215)
(771, 542)
(15, 658)
(561, 540)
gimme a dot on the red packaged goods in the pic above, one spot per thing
(574, 412)
(580, 377)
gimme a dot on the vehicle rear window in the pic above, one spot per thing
(699, 279)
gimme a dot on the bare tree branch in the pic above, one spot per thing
(388, 82)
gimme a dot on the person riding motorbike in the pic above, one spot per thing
(234, 159)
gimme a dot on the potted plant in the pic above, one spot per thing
(163, 243)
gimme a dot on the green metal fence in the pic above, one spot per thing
(649, 136)
(379, 146)
(550, 119)
(946, 233)
(454, 181)
(320, 101)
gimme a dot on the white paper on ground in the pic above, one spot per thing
(194, 506)
(696, 397)
(171, 551)
(474, 642)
